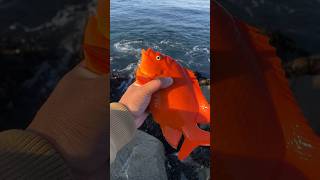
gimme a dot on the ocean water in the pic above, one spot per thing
(180, 29)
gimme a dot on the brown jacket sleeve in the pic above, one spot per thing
(122, 128)
(25, 155)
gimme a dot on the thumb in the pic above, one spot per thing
(157, 84)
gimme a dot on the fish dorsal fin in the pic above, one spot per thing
(204, 107)
(191, 75)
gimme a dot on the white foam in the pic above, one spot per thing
(130, 67)
(198, 50)
(127, 46)
(170, 43)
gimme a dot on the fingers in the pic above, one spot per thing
(157, 84)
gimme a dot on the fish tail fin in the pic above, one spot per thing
(193, 137)
(186, 148)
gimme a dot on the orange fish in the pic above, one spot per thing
(96, 40)
(260, 131)
(181, 107)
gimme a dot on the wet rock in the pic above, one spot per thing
(286, 47)
(206, 91)
(118, 84)
(188, 169)
(302, 66)
(142, 159)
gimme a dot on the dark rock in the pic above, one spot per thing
(286, 47)
(142, 159)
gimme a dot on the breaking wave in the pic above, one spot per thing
(130, 68)
(127, 46)
(198, 50)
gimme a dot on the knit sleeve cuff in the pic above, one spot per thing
(25, 155)
(122, 126)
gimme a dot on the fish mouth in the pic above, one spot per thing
(144, 73)
(143, 51)
(143, 77)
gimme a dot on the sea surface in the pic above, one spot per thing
(180, 29)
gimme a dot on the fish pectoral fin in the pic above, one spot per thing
(172, 136)
(193, 137)
(204, 107)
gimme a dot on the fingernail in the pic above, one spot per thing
(168, 81)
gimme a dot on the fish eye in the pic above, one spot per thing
(158, 58)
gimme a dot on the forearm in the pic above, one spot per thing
(122, 128)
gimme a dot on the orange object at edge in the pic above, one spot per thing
(259, 130)
(96, 40)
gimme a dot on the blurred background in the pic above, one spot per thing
(39, 42)
(294, 29)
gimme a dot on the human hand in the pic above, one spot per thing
(74, 120)
(137, 97)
